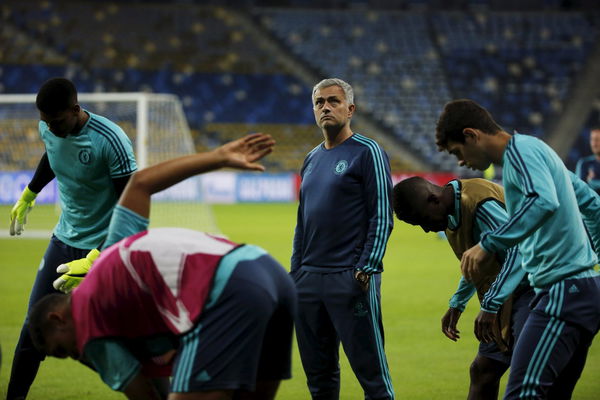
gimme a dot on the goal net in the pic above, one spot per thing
(158, 130)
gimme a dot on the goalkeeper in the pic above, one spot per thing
(216, 315)
(92, 160)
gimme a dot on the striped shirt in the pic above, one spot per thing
(544, 201)
(345, 214)
(488, 216)
(84, 165)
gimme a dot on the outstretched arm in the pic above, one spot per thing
(241, 154)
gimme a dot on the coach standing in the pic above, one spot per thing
(344, 222)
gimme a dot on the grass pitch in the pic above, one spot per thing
(420, 275)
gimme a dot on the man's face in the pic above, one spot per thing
(331, 108)
(469, 154)
(428, 213)
(595, 141)
(62, 343)
(62, 123)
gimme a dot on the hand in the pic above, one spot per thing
(362, 278)
(590, 175)
(449, 321)
(18, 214)
(484, 326)
(73, 272)
(471, 260)
(244, 152)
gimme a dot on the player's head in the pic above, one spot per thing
(333, 103)
(57, 103)
(51, 326)
(419, 202)
(460, 128)
(595, 141)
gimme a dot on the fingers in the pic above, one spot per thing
(11, 229)
(59, 283)
(260, 154)
(62, 268)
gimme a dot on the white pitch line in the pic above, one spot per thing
(27, 234)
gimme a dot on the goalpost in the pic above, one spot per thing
(156, 126)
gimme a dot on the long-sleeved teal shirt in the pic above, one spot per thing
(488, 216)
(544, 201)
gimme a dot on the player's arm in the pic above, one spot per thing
(241, 154)
(296, 260)
(18, 215)
(132, 212)
(588, 202)
(120, 183)
(463, 294)
(457, 305)
(141, 388)
(377, 186)
(297, 248)
(541, 201)
(579, 169)
(488, 217)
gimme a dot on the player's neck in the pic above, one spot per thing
(334, 138)
(81, 121)
(498, 143)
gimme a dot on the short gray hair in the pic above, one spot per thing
(348, 92)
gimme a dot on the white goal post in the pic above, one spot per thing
(157, 127)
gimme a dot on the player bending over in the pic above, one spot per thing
(545, 204)
(466, 209)
(215, 315)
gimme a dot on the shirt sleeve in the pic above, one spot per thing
(124, 223)
(297, 248)
(378, 190)
(532, 177)
(296, 261)
(489, 216)
(111, 359)
(117, 151)
(463, 294)
(578, 169)
(588, 202)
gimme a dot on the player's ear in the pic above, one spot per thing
(433, 198)
(351, 109)
(471, 133)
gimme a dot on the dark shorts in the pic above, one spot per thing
(520, 312)
(243, 337)
(551, 351)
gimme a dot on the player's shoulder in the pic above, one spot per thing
(106, 128)
(367, 146)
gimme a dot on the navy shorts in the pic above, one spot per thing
(519, 314)
(551, 351)
(243, 337)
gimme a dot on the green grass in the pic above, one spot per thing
(420, 276)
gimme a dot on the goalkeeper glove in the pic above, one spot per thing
(18, 214)
(73, 272)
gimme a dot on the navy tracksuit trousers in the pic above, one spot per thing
(27, 359)
(333, 308)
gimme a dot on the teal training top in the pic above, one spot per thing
(544, 201)
(488, 216)
(84, 165)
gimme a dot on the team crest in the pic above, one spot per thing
(341, 166)
(85, 157)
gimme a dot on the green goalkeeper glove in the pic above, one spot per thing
(73, 272)
(18, 214)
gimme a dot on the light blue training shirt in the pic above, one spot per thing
(488, 216)
(544, 201)
(84, 165)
